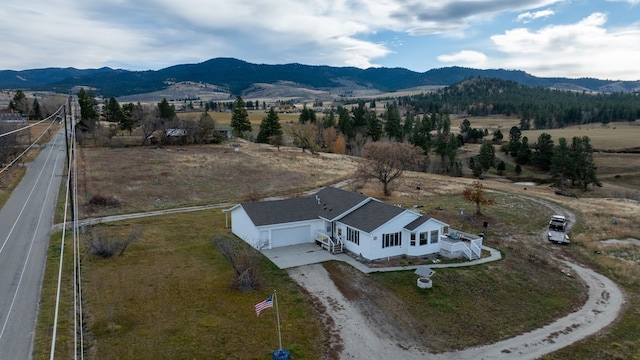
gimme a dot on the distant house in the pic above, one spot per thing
(340, 220)
(226, 131)
(175, 136)
(175, 132)
(12, 117)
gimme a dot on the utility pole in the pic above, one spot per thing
(69, 157)
(66, 133)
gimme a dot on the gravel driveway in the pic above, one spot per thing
(354, 336)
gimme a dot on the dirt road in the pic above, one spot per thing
(358, 338)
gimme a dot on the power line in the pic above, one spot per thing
(56, 113)
(71, 207)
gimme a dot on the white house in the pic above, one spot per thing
(341, 220)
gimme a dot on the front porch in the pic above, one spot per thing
(456, 244)
(334, 246)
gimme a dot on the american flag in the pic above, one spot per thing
(267, 303)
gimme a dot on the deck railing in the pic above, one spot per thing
(457, 242)
(329, 244)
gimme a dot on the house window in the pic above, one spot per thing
(413, 239)
(423, 238)
(434, 236)
(394, 239)
(353, 235)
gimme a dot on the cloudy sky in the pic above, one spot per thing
(570, 38)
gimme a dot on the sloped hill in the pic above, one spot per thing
(237, 77)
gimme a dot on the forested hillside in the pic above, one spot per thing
(538, 107)
(236, 76)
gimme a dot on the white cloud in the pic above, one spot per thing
(466, 57)
(530, 16)
(583, 49)
(147, 34)
(632, 2)
(150, 34)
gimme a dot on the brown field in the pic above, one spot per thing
(148, 178)
(614, 136)
(255, 117)
(492, 123)
(133, 300)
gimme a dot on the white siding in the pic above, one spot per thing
(269, 236)
(351, 246)
(293, 235)
(243, 227)
(371, 244)
(429, 248)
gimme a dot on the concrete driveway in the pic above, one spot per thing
(298, 255)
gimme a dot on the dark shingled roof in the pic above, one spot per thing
(334, 202)
(281, 211)
(417, 222)
(371, 215)
(329, 203)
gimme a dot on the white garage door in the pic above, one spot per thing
(291, 236)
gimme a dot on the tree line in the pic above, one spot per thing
(420, 121)
(147, 120)
(537, 107)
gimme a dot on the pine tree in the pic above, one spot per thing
(20, 103)
(392, 122)
(112, 111)
(374, 130)
(561, 163)
(166, 111)
(543, 153)
(36, 111)
(501, 167)
(487, 156)
(329, 120)
(269, 127)
(307, 115)
(582, 159)
(240, 118)
(88, 109)
(128, 120)
(345, 123)
(523, 156)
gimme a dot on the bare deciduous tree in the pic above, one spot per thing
(304, 136)
(8, 144)
(101, 245)
(386, 161)
(244, 260)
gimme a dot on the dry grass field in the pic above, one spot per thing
(614, 136)
(255, 117)
(169, 291)
(150, 178)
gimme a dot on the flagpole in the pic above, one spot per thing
(275, 297)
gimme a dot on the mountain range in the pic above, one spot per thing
(236, 77)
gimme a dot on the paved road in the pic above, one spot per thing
(25, 224)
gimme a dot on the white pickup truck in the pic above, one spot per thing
(558, 230)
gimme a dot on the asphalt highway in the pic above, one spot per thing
(25, 226)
